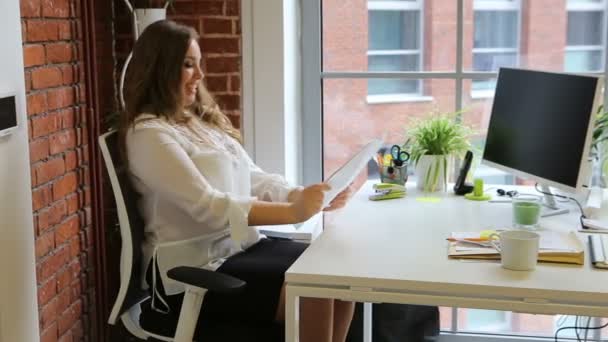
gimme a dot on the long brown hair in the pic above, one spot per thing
(153, 78)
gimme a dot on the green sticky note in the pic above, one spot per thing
(428, 199)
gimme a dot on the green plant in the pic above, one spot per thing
(441, 135)
(600, 130)
(599, 149)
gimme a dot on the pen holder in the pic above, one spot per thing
(394, 174)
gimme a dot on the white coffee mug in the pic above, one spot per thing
(518, 249)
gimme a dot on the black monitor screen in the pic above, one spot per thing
(8, 113)
(539, 123)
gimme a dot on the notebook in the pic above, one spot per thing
(553, 247)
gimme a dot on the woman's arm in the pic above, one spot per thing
(308, 202)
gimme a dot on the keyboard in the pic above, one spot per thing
(598, 248)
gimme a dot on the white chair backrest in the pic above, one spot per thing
(131, 229)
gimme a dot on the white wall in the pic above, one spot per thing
(272, 85)
(18, 304)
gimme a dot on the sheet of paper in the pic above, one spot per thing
(555, 241)
(346, 174)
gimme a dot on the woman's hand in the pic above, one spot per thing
(308, 202)
(341, 199)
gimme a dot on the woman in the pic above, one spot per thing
(198, 184)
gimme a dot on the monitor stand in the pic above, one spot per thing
(550, 205)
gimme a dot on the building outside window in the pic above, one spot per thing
(394, 44)
(495, 39)
(585, 36)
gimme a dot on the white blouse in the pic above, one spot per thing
(197, 185)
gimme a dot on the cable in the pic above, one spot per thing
(587, 328)
(488, 189)
(580, 207)
(574, 327)
(561, 320)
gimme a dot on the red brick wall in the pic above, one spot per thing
(55, 96)
(54, 74)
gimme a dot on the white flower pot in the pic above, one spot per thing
(147, 16)
(431, 173)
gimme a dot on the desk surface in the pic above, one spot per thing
(400, 245)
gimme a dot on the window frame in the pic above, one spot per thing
(312, 109)
(601, 6)
(400, 6)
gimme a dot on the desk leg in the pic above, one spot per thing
(367, 322)
(292, 315)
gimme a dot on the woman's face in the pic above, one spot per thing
(191, 74)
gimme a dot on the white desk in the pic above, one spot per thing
(395, 251)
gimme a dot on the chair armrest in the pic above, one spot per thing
(210, 280)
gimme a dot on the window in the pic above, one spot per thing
(585, 36)
(495, 39)
(394, 44)
(486, 320)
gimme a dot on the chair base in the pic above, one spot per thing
(162, 325)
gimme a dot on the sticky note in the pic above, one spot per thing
(428, 199)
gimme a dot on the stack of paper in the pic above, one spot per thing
(553, 247)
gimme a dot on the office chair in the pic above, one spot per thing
(132, 304)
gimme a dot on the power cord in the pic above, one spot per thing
(567, 198)
(587, 328)
(576, 327)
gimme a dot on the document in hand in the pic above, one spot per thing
(347, 173)
(553, 247)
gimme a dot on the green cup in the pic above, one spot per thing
(526, 211)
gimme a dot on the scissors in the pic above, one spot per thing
(399, 156)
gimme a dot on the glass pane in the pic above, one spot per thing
(585, 1)
(559, 40)
(583, 61)
(477, 103)
(351, 32)
(483, 85)
(351, 117)
(445, 318)
(393, 63)
(585, 28)
(493, 61)
(394, 30)
(389, 86)
(485, 320)
(495, 29)
(473, 320)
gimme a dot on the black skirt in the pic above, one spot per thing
(262, 266)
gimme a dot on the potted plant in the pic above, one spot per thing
(433, 142)
(149, 11)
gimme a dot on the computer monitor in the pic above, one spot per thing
(541, 127)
